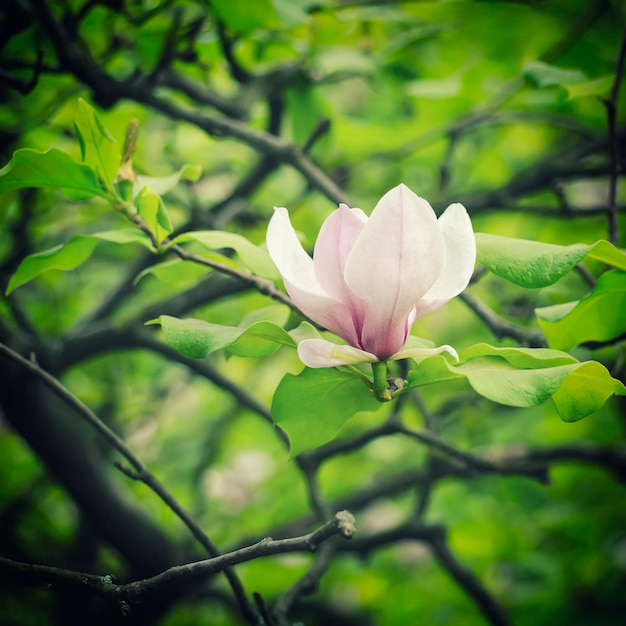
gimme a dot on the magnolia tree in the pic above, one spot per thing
(214, 364)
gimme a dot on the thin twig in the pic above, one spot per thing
(502, 328)
(488, 605)
(517, 460)
(201, 94)
(266, 143)
(71, 400)
(615, 169)
(262, 285)
(309, 471)
(306, 585)
(345, 446)
(268, 620)
(473, 462)
(435, 536)
(322, 127)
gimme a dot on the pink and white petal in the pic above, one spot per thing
(460, 243)
(291, 259)
(395, 261)
(384, 337)
(322, 353)
(422, 353)
(400, 252)
(296, 268)
(325, 311)
(333, 245)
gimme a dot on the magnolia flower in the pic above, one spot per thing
(371, 278)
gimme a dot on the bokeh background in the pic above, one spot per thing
(498, 105)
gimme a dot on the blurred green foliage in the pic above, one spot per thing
(498, 105)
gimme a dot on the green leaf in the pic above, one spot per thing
(181, 272)
(50, 169)
(536, 264)
(517, 377)
(313, 406)
(194, 338)
(305, 331)
(152, 210)
(99, 148)
(244, 16)
(436, 88)
(276, 313)
(254, 258)
(261, 339)
(600, 316)
(521, 358)
(175, 272)
(541, 74)
(197, 339)
(163, 184)
(70, 255)
(597, 88)
(293, 12)
(585, 390)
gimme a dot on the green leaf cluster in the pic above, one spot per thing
(97, 176)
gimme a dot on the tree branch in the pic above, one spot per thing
(502, 328)
(306, 585)
(263, 142)
(341, 525)
(615, 168)
(467, 580)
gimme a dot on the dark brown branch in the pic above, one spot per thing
(341, 525)
(306, 585)
(568, 163)
(475, 463)
(614, 151)
(71, 400)
(435, 536)
(227, 44)
(502, 328)
(214, 287)
(258, 140)
(322, 127)
(24, 87)
(344, 446)
(514, 460)
(262, 285)
(200, 94)
(611, 458)
(467, 580)
(309, 472)
(204, 369)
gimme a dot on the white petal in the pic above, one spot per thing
(422, 353)
(291, 259)
(334, 243)
(394, 262)
(296, 268)
(322, 353)
(460, 243)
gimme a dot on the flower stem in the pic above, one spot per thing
(381, 387)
